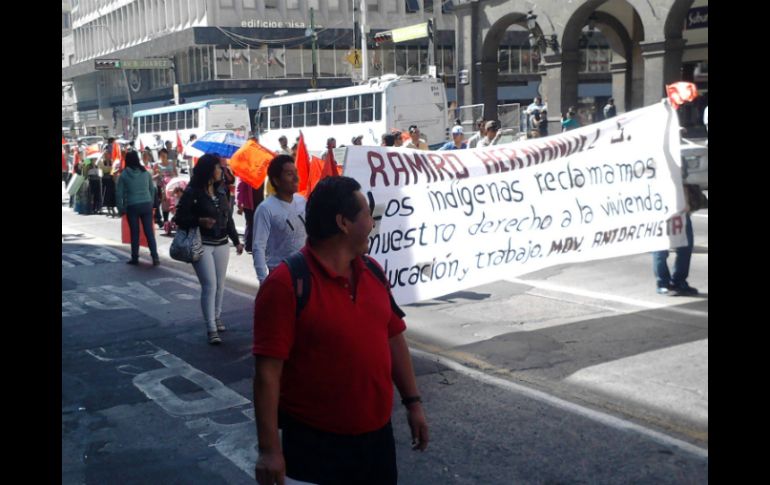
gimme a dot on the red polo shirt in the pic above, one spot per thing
(337, 369)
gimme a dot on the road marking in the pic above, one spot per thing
(602, 418)
(608, 297)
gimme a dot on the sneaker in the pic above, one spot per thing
(685, 290)
(220, 325)
(665, 290)
(155, 261)
(214, 338)
(133, 262)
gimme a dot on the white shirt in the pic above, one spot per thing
(279, 231)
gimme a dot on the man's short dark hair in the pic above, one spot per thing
(412, 128)
(388, 140)
(276, 167)
(332, 196)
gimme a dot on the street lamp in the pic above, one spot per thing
(125, 77)
(536, 37)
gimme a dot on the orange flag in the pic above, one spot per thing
(303, 165)
(75, 160)
(315, 174)
(116, 155)
(63, 160)
(63, 141)
(330, 167)
(250, 163)
(680, 93)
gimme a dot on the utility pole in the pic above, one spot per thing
(364, 56)
(314, 38)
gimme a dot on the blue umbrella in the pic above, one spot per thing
(220, 143)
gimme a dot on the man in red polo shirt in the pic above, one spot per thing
(329, 371)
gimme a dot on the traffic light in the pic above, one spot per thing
(100, 64)
(462, 76)
(381, 37)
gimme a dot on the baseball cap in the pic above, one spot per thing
(492, 125)
(457, 130)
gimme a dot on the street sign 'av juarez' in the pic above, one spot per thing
(133, 64)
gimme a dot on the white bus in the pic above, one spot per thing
(370, 109)
(156, 126)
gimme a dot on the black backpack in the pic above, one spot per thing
(300, 278)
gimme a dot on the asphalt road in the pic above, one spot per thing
(559, 377)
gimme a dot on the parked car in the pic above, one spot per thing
(695, 163)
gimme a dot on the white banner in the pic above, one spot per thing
(451, 220)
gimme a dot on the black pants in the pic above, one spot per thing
(330, 459)
(248, 235)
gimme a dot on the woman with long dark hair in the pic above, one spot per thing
(204, 206)
(134, 195)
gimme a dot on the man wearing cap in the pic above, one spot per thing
(357, 140)
(457, 142)
(415, 141)
(492, 137)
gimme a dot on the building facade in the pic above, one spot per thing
(250, 48)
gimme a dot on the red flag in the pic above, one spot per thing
(179, 146)
(303, 164)
(63, 141)
(330, 168)
(63, 159)
(680, 93)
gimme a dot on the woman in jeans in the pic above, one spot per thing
(208, 208)
(134, 195)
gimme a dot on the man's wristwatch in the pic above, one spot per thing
(410, 400)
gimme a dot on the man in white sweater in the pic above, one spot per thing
(279, 221)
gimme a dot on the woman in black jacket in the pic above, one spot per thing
(204, 206)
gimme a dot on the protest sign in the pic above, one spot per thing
(450, 220)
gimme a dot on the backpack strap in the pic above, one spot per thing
(375, 268)
(300, 279)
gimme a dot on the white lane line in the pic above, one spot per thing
(602, 418)
(98, 241)
(608, 297)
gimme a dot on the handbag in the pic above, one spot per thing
(187, 245)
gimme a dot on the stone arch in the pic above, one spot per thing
(489, 54)
(672, 30)
(627, 76)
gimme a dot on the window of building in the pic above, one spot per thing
(241, 63)
(504, 60)
(292, 4)
(372, 5)
(311, 113)
(271, 3)
(428, 6)
(378, 106)
(224, 70)
(293, 58)
(275, 117)
(313, 4)
(225, 3)
(299, 115)
(412, 60)
(448, 60)
(325, 112)
(250, 4)
(262, 119)
(354, 108)
(333, 4)
(326, 63)
(340, 110)
(412, 6)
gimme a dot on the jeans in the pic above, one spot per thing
(248, 235)
(681, 263)
(143, 212)
(330, 459)
(212, 270)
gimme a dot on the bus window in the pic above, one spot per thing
(164, 122)
(286, 116)
(188, 119)
(378, 106)
(172, 125)
(262, 120)
(155, 122)
(299, 115)
(354, 106)
(339, 110)
(311, 116)
(366, 108)
(275, 117)
(196, 123)
(325, 112)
